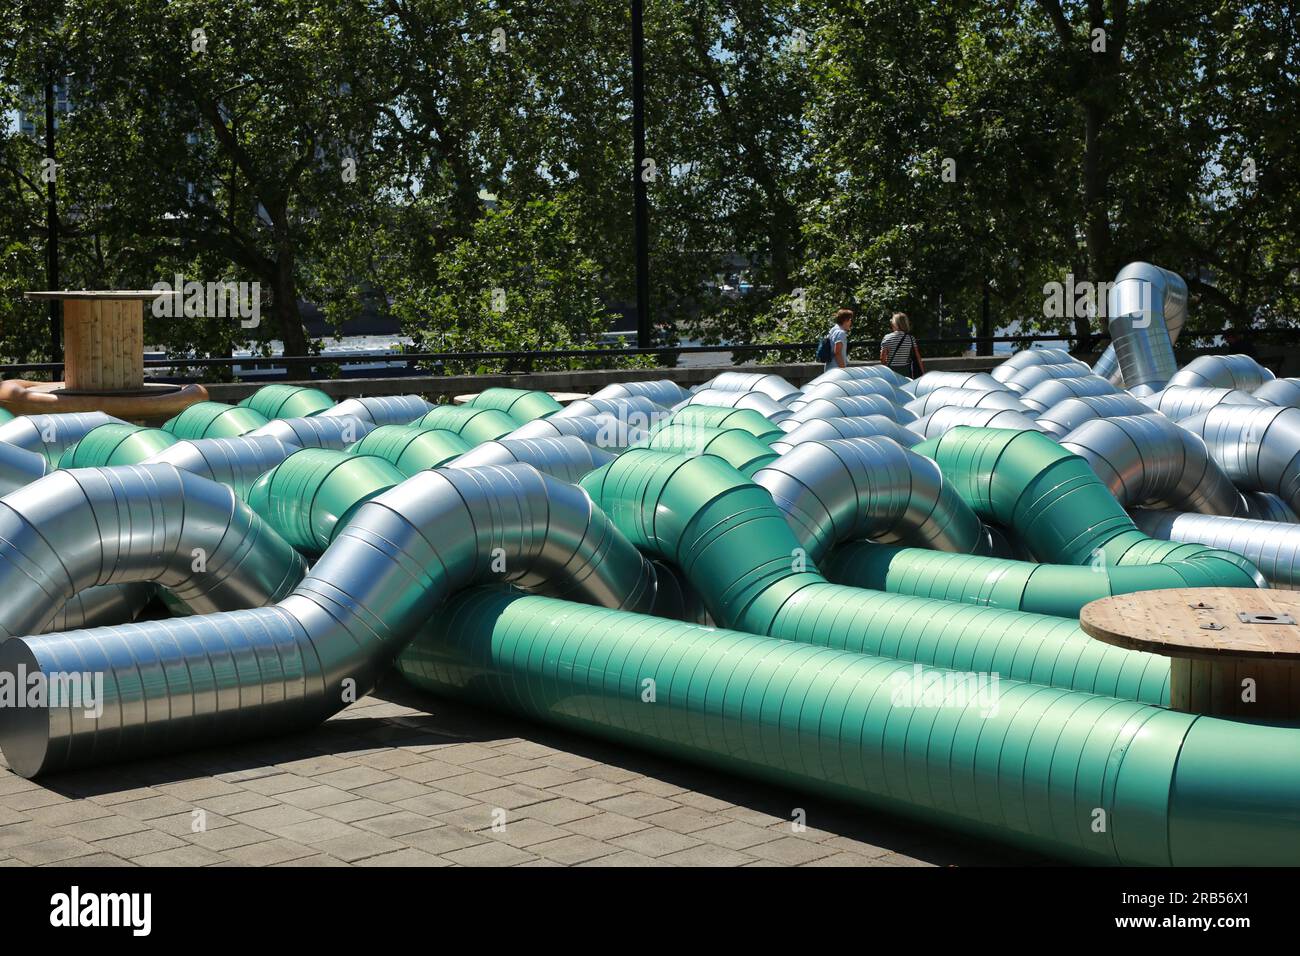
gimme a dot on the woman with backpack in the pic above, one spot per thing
(833, 349)
(898, 349)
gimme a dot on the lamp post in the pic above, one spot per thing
(641, 226)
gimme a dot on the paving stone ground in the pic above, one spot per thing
(401, 779)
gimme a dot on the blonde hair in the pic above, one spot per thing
(899, 322)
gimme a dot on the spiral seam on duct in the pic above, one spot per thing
(186, 682)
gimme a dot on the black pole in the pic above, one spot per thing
(986, 324)
(51, 225)
(642, 210)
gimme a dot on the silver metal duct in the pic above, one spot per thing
(601, 430)
(1280, 391)
(1259, 448)
(73, 530)
(637, 410)
(662, 391)
(1144, 301)
(335, 432)
(852, 407)
(102, 605)
(1067, 415)
(849, 489)
(237, 462)
(942, 420)
(1149, 460)
(861, 426)
(567, 458)
(963, 398)
(1029, 357)
(978, 381)
(1181, 401)
(862, 371)
(177, 684)
(52, 435)
(1222, 371)
(766, 406)
(1261, 506)
(773, 386)
(19, 467)
(380, 409)
(844, 389)
(1025, 379)
(1046, 394)
(1273, 548)
(1107, 364)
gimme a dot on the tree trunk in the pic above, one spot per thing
(288, 318)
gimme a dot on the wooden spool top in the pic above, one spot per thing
(1200, 623)
(108, 296)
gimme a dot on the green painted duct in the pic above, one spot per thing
(214, 420)
(1057, 506)
(710, 416)
(520, 404)
(410, 448)
(733, 545)
(1078, 776)
(475, 425)
(735, 446)
(310, 495)
(1058, 589)
(287, 401)
(116, 444)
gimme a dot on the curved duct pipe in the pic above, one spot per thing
(663, 391)
(976, 381)
(861, 426)
(1144, 302)
(845, 489)
(1026, 379)
(51, 435)
(567, 458)
(602, 430)
(101, 605)
(757, 401)
(963, 398)
(214, 420)
(860, 372)
(1058, 508)
(19, 467)
(1026, 358)
(1180, 401)
(1274, 548)
(1223, 371)
(1261, 506)
(313, 493)
(114, 444)
(1046, 394)
(734, 546)
(237, 462)
(410, 449)
(520, 404)
(380, 409)
(153, 523)
(773, 386)
(184, 683)
(735, 446)
(1259, 448)
(856, 406)
(1278, 391)
(1147, 460)
(316, 432)
(708, 416)
(1060, 590)
(1067, 415)
(953, 416)
(844, 389)
(1032, 770)
(639, 412)
(287, 401)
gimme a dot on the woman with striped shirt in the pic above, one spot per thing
(898, 349)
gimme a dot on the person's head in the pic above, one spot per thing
(898, 322)
(844, 319)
